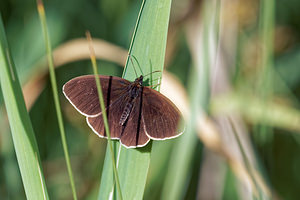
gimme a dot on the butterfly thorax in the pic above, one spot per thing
(134, 91)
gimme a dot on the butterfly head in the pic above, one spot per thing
(139, 81)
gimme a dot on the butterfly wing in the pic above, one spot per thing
(132, 133)
(83, 95)
(160, 116)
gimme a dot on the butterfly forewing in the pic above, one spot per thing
(83, 95)
(161, 117)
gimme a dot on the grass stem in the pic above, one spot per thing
(103, 110)
(43, 20)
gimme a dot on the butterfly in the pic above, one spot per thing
(135, 113)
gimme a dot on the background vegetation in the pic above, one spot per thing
(237, 67)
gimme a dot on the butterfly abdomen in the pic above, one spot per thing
(126, 112)
(134, 93)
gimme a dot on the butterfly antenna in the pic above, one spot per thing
(152, 72)
(132, 65)
(136, 60)
(156, 85)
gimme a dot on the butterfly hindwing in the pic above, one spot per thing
(161, 117)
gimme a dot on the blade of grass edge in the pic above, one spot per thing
(43, 20)
(148, 47)
(21, 128)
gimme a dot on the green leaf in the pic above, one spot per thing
(20, 124)
(148, 52)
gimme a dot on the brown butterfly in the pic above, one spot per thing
(135, 113)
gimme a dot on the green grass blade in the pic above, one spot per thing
(180, 166)
(55, 93)
(21, 127)
(148, 51)
(264, 87)
(267, 36)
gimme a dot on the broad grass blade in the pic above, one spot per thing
(148, 52)
(20, 124)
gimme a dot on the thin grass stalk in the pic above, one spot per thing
(267, 19)
(247, 162)
(204, 71)
(43, 20)
(103, 112)
(267, 36)
(265, 89)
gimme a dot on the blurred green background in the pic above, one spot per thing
(276, 147)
